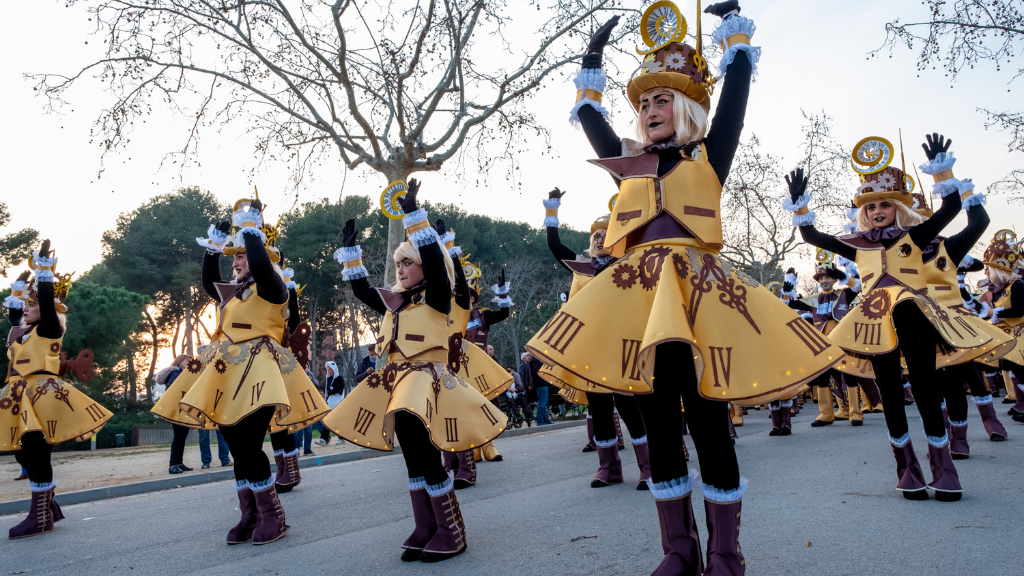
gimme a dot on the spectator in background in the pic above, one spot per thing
(334, 393)
(517, 398)
(304, 437)
(167, 376)
(223, 453)
(368, 364)
(490, 350)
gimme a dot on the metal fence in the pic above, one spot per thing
(157, 435)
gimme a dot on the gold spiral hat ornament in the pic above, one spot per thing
(469, 269)
(775, 286)
(871, 155)
(824, 257)
(1006, 235)
(661, 25)
(389, 200)
(611, 203)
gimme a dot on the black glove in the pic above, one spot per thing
(595, 49)
(555, 194)
(786, 286)
(408, 202)
(723, 8)
(348, 234)
(44, 249)
(501, 277)
(224, 227)
(257, 205)
(439, 227)
(936, 143)
(24, 276)
(797, 184)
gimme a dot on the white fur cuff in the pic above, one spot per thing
(349, 274)
(574, 114)
(47, 276)
(415, 218)
(850, 227)
(734, 25)
(723, 496)
(605, 443)
(943, 161)
(967, 262)
(791, 206)
(851, 213)
(249, 230)
(938, 441)
(551, 221)
(348, 254)
(590, 79)
(447, 237)
(40, 262)
(978, 400)
(247, 214)
(262, 485)
(676, 488)
(455, 252)
(804, 219)
(974, 200)
(291, 285)
(421, 238)
(441, 489)
(753, 53)
(995, 313)
(946, 187)
(14, 303)
(639, 441)
(417, 483)
(901, 441)
(552, 203)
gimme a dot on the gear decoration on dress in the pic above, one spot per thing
(871, 155)
(876, 304)
(625, 275)
(650, 265)
(661, 24)
(389, 198)
(682, 268)
(194, 366)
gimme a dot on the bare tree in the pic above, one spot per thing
(962, 34)
(535, 291)
(398, 87)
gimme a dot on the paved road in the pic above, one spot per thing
(535, 514)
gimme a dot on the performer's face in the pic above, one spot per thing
(656, 114)
(31, 312)
(827, 283)
(597, 243)
(241, 264)
(409, 273)
(881, 214)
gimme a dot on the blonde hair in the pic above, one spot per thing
(905, 217)
(177, 361)
(406, 250)
(998, 276)
(690, 118)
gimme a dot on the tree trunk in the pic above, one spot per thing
(314, 302)
(152, 362)
(132, 384)
(187, 344)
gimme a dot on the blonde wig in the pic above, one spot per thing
(690, 118)
(997, 276)
(905, 217)
(407, 250)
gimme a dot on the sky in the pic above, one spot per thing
(814, 57)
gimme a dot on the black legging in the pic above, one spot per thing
(422, 458)
(675, 377)
(178, 444)
(282, 440)
(245, 440)
(34, 456)
(602, 409)
(917, 341)
(1016, 369)
(951, 387)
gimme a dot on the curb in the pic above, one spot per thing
(94, 494)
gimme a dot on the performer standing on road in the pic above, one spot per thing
(671, 319)
(36, 405)
(416, 395)
(603, 404)
(1005, 296)
(897, 316)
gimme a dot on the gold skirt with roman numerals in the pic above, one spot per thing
(748, 346)
(45, 403)
(480, 370)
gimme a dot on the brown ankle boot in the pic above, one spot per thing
(910, 477)
(242, 532)
(40, 518)
(776, 420)
(643, 461)
(423, 516)
(785, 418)
(679, 539)
(288, 471)
(466, 474)
(945, 480)
(989, 420)
(723, 520)
(590, 447)
(450, 538)
(271, 526)
(959, 449)
(609, 469)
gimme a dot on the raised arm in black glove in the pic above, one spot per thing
(408, 201)
(439, 227)
(797, 183)
(349, 233)
(722, 9)
(786, 285)
(210, 273)
(556, 194)
(598, 41)
(934, 144)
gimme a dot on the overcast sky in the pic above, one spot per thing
(814, 57)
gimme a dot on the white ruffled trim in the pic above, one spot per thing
(574, 114)
(722, 496)
(447, 237)
(985, 309)
(47, 276)
(943, 405)
(262, 485)
(901, 441)
(349, 274)
(590, 79)
(995, 314)
(278, 452)
(348, 254)
(455, 252)
(974, 200)
(551, 221)
(735, 25)
(958, 423)
(946, 187)
(42, 486)
(978, 400)
(639, 441)
(785, 404)
(239, 241)
(804, 219)
(851, 213)
(675, 488)
(288, 273)
(552, 203)
(806, 315)
(753, 53)
(247, 214)
(791, 206)
(211, 248)
(18, 286)
(415, 218)
(214, 241)
(943, 161)
(417, 483)
(906, 384)
(606, 444)
(292, 453)
(423, 237)
(291, 285)
(241, 485)
(938, 441)
(501, 295)
(773, 408)
(850, 227)
(857, 287)
(1019, 386)
(790, 279)
(13, 302)
(41, 262)
(441, 489)
(967, 262)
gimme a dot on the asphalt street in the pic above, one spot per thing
(821, 501)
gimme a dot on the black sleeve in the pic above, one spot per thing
(604, 140)
(801, 306)
(492, 317)
(724, 136)
(461, 287)
(367, 295)
(269, 284)
(559, 250)
(1016, 309)
(211, 274)
(959, 244)
(293, 310)
(14, 315)
(439, 290)
(924, 233)
(49, 323)
(818, 239)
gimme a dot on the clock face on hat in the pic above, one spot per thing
(661, 24)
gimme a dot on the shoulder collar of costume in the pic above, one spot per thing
(872, 239)
(395, 301)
